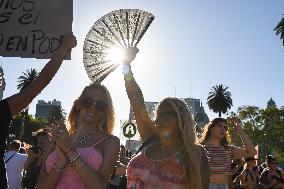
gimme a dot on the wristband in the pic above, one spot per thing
(126, 69)
(78, 165)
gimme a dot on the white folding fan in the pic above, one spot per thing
(108, 36)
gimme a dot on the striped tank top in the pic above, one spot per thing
(219, 159)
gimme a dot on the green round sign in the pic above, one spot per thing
(129, 129)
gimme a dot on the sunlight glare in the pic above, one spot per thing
(115, 55)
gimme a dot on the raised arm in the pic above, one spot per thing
(19, 101)
(144, 123)
(249, 150)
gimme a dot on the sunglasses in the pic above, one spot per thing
(88, 102)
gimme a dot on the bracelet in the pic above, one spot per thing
(73, 160)
(126, 70)
(80, 165)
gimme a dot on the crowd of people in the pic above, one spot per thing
(82, 153)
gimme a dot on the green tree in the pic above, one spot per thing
(266, 128)
(251, 117)
(273, 129)
(32, 125)
(280, 29)
(56, 114)
(219, 99)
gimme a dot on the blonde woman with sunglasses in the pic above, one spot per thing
(171, 159)
(85, 152)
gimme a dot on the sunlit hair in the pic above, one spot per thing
(190, 151)
(110, 117)
(206, 134)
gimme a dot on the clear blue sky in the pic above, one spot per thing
(191, 46)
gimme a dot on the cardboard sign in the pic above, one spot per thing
(34, 28)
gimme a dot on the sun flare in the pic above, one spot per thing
(115, 55)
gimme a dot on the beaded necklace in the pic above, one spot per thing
(83, 140)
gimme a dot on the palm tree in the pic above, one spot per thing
(280, 29)
(57, 113)
(219, 99)
(25, 79)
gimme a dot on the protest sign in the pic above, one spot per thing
(33, 28)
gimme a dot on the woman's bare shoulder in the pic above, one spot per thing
(112, 140)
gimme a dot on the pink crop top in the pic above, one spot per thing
(69, 178)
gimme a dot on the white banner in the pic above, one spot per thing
(33, 28)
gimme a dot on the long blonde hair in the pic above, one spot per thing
(75, 110)
(191, 151)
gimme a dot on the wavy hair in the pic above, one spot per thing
(206, 134)
(190, 151)
(75, 110)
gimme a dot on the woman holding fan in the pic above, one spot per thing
(171, 159)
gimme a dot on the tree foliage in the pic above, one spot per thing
(266, 128)
(279, 29)
(31, 124)
(57, 113)
(219, 99)
(25, 79)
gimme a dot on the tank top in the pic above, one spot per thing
(145, 173)
(219, 159)
(69, 178)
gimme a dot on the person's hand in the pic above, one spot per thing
(236, 122)
(69, 41)
(129, 54)
(48, 147)
(61, 136)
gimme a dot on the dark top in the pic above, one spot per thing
(5, 119)
(30, 177)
